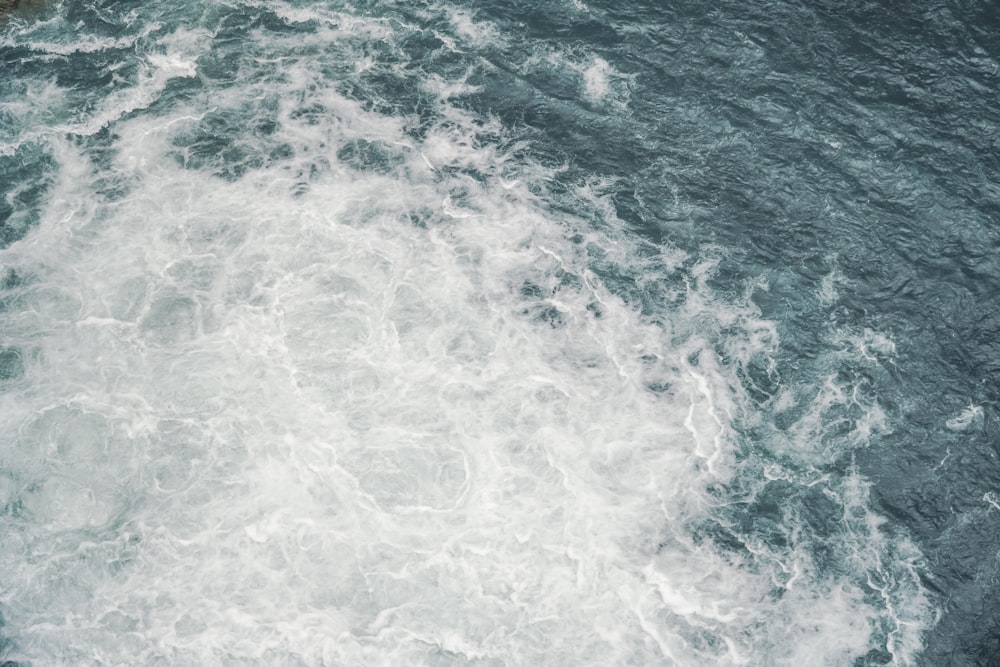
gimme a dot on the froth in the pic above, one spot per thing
(324, 384)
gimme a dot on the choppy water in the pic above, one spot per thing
(554, 333)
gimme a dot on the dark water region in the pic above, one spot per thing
(858, 140)
(24, 7)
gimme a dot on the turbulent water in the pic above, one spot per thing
(482, 333)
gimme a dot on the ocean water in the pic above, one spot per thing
(480, 333)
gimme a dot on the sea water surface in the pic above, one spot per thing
(479, 333)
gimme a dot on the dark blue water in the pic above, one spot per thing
(543, 333)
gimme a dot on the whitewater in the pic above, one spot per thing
(326, 338)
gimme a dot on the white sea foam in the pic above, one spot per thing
(49, 50)
(828, 291)
(477, 33)
(369, 403)
(45, 110)
(966, 419)
(596, 80)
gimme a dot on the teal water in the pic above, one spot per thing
(499, 334)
